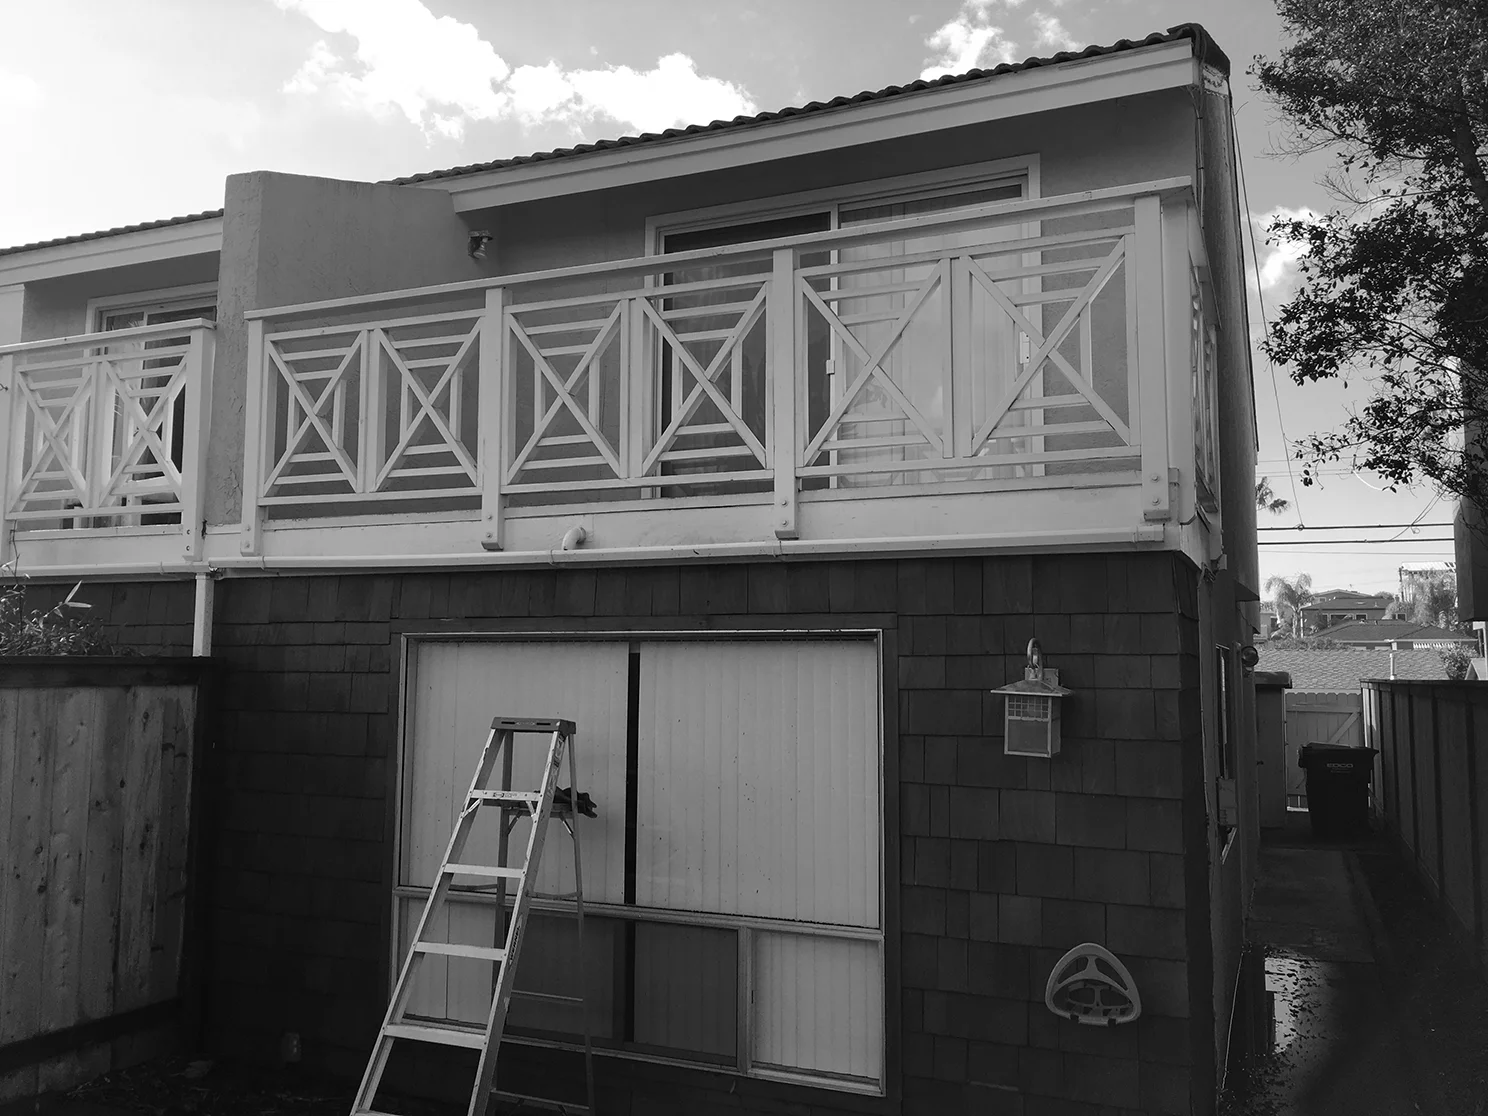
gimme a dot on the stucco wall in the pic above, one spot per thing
(290, 239)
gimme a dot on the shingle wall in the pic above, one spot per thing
(1002, 863)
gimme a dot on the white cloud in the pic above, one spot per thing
(18, 90)
(969, 40)
(1049, 32)
(440, 74)
(1278, 263)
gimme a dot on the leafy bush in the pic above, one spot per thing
(63, 629)
(1456, 661)
(1308, 643)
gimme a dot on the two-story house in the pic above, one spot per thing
(760, 449)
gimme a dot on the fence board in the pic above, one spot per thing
(1455, 813)
(1433, 738)
(1428, 820)
(95, 834)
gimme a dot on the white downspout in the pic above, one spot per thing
(201, 619)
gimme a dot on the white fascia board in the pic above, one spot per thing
(1103, 78)
(168, 242)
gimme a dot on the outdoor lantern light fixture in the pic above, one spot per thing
(476, 246)
(1031, 721)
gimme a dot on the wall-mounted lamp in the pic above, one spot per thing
(1031, 721)
(476, 246)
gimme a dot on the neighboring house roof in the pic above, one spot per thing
(1334, 599)
(1339, 672)
(1205, 49)
(1386, 631)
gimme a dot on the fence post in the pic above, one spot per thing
(9, 388)
(1436, 759)
(199, 369)
(258, 433)
(781, 308)
(1475, 809)
(493, 418)
(1152, 371)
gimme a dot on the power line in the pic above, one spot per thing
(1344, 542)
(1356, 527)
(1255, 263)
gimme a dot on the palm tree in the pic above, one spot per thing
(1291, 596)
(1266, 500)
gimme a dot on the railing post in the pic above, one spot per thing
(199, 365)
(258, 433)
(494, 417)
(1178, 287)
(9, 454)
(786, 389)
(1152, 374)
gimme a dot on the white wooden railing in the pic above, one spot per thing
(1013, 345)
(106, 431)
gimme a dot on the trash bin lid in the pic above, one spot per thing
(1336, 757)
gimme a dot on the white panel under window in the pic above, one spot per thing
(758, 789)
(818, 1004)
(457, 688)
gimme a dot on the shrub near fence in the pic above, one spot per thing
(99, 761)
(1432, 790)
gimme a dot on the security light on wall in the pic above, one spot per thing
(1031, 719)
(476, 245)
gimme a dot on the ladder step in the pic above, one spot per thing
(531, 724)
(449, 949)
(526, 798)
(484, 870)
(445, 1034)
(544, 1102)
(547, 997)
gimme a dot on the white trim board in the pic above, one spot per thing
(169, 242)
(1102, 78)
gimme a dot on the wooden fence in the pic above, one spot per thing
(1431, 779)
(99, 761)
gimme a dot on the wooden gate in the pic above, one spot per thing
(1318, 719)
(97, 763)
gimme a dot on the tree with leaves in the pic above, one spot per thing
(1394, 281)
(1267, 500)
(1291, 596)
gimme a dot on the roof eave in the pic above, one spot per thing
(1133, 72)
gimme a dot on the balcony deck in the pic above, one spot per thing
(1032, 373)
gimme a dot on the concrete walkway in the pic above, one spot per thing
(1338, 1047)
(1338, 1023)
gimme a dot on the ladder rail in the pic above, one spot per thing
(485, 1077)
(540, 809)
(398, 1002)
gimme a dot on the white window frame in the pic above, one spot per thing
(163, 298)
(743, 925)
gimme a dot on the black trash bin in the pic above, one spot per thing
(1337, 788)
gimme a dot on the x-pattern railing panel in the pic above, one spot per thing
(373, 411)
(622, 344)
(93, 433)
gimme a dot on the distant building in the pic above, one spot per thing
(1417, 576)
(1396, 635)
(1334, 606)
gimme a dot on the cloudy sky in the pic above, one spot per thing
(112, 113)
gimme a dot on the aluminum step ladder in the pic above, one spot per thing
(548, 802)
